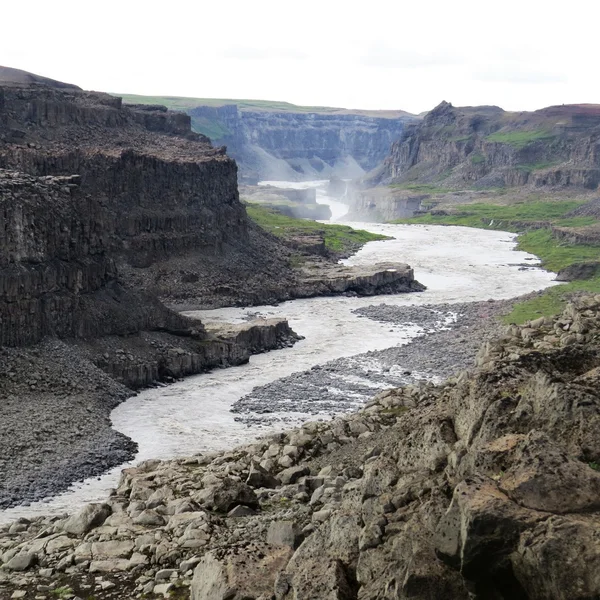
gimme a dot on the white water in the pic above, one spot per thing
(456, 264)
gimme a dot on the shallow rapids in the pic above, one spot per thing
(456, 264)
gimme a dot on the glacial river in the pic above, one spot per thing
(456, 264)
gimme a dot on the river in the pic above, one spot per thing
(456, 264)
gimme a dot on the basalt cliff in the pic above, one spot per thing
(107, 214)
(487, 147)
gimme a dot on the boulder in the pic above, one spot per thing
(227, 494)
(92, 515)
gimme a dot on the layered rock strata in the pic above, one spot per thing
(485, 146)
(487, 486)
(271, 144)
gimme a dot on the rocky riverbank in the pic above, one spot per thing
(58, 395)
(485, 486)
(449, 338)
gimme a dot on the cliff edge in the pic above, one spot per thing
(487, 147)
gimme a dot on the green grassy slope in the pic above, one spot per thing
(183, 104)
(554, 254)
(338, 238)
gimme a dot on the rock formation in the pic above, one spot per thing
(302, 144)
(107, 211)
(487, 486)
(485, 146)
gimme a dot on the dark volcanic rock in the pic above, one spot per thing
(10, 75)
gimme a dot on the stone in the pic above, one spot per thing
(92, 515)
(227, 494)
(283, 533)
(149, 518)
(481, 525)
(321, 515)
(292, 474)
(113, 565)
(243, 573)
(21, 562)
(241, 511)
(112, 549)
(165, 574)
(260, 478)
(560, 558)
(163, 588)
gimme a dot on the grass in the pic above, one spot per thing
(499, 216)
(61, 592)
(554, 254)
(528, 168)
(186, 103)
(551, 302)
(424, 188)
(338, 238)
(477, 159)
(520, 139)
(212, 128)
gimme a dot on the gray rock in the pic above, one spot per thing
(21, 562)
(283, 533)
(149, 518)
(92, 515)
(292, 474)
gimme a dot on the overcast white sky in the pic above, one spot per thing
(518, 54)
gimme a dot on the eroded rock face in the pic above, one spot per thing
(483, 487)
(271, 144)
(457, 146)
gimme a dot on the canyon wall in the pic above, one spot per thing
(90, 188)
(303, 145)
(488, 147)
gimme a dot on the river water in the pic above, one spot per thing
(456, 264)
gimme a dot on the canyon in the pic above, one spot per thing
(117, 217)
(281, 141)
(109, 213)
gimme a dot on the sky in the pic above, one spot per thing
(520, 55)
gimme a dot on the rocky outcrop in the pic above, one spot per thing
(296, 203)
(380, 278)
(383, 204)
(486, 486)
(285, 145)
(485, 146)
(9, 75)
(579, 271)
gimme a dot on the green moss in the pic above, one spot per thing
(214, 129)
(185, 103)
(477, 158)
(521, 138)
(338, 238)
(595, 466)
